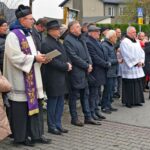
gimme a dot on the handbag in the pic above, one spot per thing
(5, 86)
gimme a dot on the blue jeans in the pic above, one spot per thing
(84, 95)
(94, 98)
(55, 108)
(117, 85)
(108, 93)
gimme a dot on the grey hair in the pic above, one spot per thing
(110, 33)
(72, 23)
(130, 28)
(140, 33)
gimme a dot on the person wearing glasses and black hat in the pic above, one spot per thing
(22, 64)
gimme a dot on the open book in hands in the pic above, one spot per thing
(52, 54)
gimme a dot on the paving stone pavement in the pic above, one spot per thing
(110, 135)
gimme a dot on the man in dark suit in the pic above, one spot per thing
(82, 65)
(55, 78)
(98, 75)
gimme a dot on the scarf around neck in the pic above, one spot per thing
(17, 25)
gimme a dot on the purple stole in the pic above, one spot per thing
(29, 78)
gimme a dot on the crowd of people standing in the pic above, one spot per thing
(89, 68)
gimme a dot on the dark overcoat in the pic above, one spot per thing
(78, 53)
(99, 59)
(55, 72)
(2, 47)
(37, 37)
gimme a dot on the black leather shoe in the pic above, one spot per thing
(63, 130)
(116, 95)
(54, 131)
(27, 142)
(100, 115)
(107, 111)
(42, 140)
(138, 104)
(77, 123)
(91, 121)
(95, 117)
(128, 106)
(113, 109)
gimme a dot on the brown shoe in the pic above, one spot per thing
(77, 123)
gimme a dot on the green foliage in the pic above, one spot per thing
(144, 28)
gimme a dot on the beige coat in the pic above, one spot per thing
(4, 124)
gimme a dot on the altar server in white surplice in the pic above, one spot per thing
(132, 69)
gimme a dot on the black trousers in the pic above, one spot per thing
(22, 125)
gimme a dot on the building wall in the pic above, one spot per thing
(105, 21)
(111, 10)
(93, 8)
(78, 4)
(121, 9)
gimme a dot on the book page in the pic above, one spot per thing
(52, 54)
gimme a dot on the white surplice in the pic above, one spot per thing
(132, 54)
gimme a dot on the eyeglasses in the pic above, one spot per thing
(4, 25)
(31, 19)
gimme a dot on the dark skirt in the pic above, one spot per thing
(132, 91)
(22, 125)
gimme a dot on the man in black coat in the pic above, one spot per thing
(55, 78)
(82, 65)
(98, 76)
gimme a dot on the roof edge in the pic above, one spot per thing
(63, 3)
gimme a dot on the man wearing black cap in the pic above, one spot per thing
(82, 65)
(98, 75)
(3, 33)
(22, 68)
(55, 79)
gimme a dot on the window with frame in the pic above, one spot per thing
(110, 11)
(122, 11)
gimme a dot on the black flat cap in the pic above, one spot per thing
(22, 11)
(53, 24)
